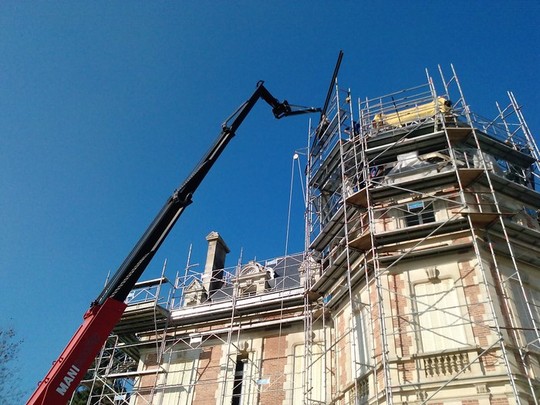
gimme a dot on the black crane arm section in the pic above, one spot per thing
(136, 262)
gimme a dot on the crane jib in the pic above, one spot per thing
(105, 312)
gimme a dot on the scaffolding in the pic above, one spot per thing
(424, 218)
(174, 342)
(114, 377)
(418, 284)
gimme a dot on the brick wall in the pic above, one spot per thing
(147, 382)
(274, 360)
(477, 311)
(206, 390)
(499, 401)
(401, 315)
(344, 356)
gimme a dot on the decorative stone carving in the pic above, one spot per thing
(194, 294)
(253, 278)
(432, 274)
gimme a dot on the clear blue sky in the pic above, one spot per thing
(106, 106)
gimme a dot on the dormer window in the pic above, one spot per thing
(253, 279)
(419, 212)
(194, 293)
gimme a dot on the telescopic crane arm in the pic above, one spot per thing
(106, 311)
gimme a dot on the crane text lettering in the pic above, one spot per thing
(68, 379)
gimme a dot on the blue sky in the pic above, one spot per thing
(105, 107)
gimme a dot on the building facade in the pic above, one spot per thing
(420, 282)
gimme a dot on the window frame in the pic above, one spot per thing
(419, 213)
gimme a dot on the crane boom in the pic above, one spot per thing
(106, 310)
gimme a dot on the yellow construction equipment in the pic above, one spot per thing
(417, 113)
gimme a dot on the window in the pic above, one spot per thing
(362, 347)
(309, 368)
(238, 379)
(530, 334)
(248, 291)
(440, 324)
(419, 212)
(181, 375)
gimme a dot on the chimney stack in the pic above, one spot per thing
(215, 262)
